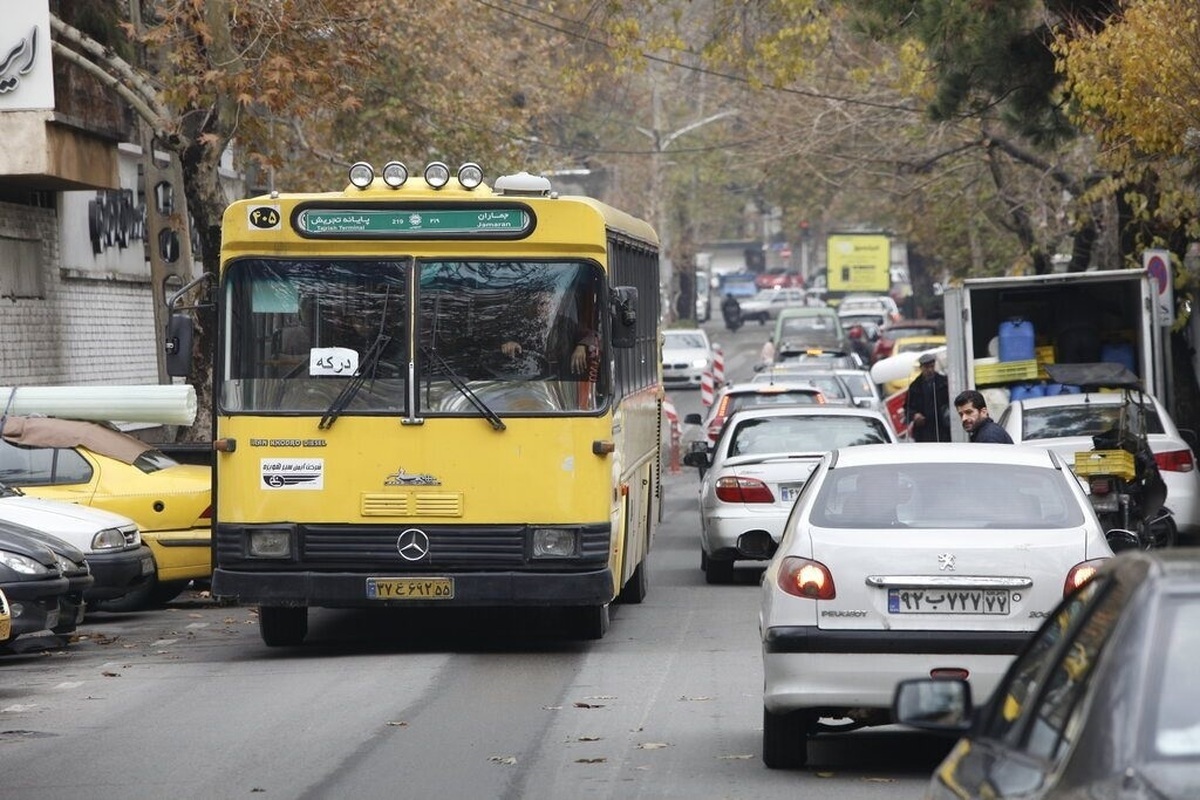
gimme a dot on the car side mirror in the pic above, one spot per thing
(933, 704)
(693, 419)
(1120, 539)
(623, 305)
(178, 345)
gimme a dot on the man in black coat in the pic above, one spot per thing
(972, 410)
(927, 404)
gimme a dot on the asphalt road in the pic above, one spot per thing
(186, 702)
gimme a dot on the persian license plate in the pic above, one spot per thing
(789, 491)
(949, 601)
(410, 588)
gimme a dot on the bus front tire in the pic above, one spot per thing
(282, 626)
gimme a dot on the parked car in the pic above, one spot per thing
(72, 604)
(811, 327)
(734, 396)
(754, 472)
(779, 278)
(686, 356)
(886, 338)
(5, 620)
(739, 284)
(922, 559)
(95, 465)
(1066, 424)
(111, 543)
(1101, 703)
(766, 305)
(32, 579)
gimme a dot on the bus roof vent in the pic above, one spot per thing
(523, 184)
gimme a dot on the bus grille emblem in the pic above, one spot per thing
(413, 544)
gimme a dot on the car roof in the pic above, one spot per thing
(808, 411)
(760, 387)
(945, 452)
(1081, 399)
(55, 432)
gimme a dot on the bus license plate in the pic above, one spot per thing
(948, 601)
(410, 588)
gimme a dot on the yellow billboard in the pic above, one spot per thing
(858, 262)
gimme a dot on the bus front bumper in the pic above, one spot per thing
(349, 590)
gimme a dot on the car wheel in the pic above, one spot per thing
(703, 561)
(635, 588)
(1163, 533)
(785, 739)
(282, 626)
(588, 623)
(719, 571)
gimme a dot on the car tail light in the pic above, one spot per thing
(1101, 485)
(1175, 461)
(1080, 574)
(743, 490)
(803, 577)
(949, 673)
(207, 513)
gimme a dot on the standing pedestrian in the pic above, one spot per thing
(972, 410)
(927, 403)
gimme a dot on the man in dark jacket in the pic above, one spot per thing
(972, 410)
(927, 403)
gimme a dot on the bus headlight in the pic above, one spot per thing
(555, 543)
(395, 174)
(361, 174)
(437, 174)
(470, 175)
(270, 543)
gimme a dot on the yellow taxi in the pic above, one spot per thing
(5, 619)
(911, 344)
(95, 465)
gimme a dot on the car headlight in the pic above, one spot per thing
(700, 362)
(66, 565)
(22, 564)
(555, 542)
(270, 543)
(109, 539)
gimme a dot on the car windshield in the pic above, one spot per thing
(1176, 726)
(682, 339)
(1084, 419)
(807, 434)
(946, 495)
(824, 323)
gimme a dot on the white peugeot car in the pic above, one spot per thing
(1066, 423)
(918, 560)
(758, 466)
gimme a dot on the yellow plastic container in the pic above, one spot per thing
(1006, 372)
(1105, 462)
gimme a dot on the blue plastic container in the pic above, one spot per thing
(1022, 391)
(1016, 340)
(1121, 353)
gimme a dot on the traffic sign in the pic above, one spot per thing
(1157, 264)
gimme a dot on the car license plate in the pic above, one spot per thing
(147, 566)
(789, 491)
(948, 601)
(410, 588)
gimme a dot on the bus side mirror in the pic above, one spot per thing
(178, 345)
(623, 304)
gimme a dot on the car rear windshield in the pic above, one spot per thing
(811, 433)
(946, 495)
(790, 397)
(1085, 419)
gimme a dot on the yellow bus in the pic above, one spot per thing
(429, 392)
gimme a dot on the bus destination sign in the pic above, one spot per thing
(412, 221)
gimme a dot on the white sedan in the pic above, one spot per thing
(686, 356)
(758, 465)
(921, 560)
(1065, 423)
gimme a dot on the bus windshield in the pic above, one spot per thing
(521, 336)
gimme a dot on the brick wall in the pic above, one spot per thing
(88, 328)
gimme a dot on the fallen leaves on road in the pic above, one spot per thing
(581, 704)
(698, 699)
(589, 738)
(738, 757)
(507, 761)
(397, 724)
(652, 745)
(108, 674)
(599, 760)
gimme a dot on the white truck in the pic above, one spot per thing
(1105, 315)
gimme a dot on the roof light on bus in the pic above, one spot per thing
(437, 174)
(395, 174)
(470, 175)
(522, 183)
(362, 174)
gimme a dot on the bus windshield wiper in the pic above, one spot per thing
(366, 368)
(464, 390)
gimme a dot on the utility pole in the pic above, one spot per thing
(661, 142)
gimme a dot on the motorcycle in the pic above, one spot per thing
(1126, 489)
(732, 312)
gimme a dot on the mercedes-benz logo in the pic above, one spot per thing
(413, 544)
